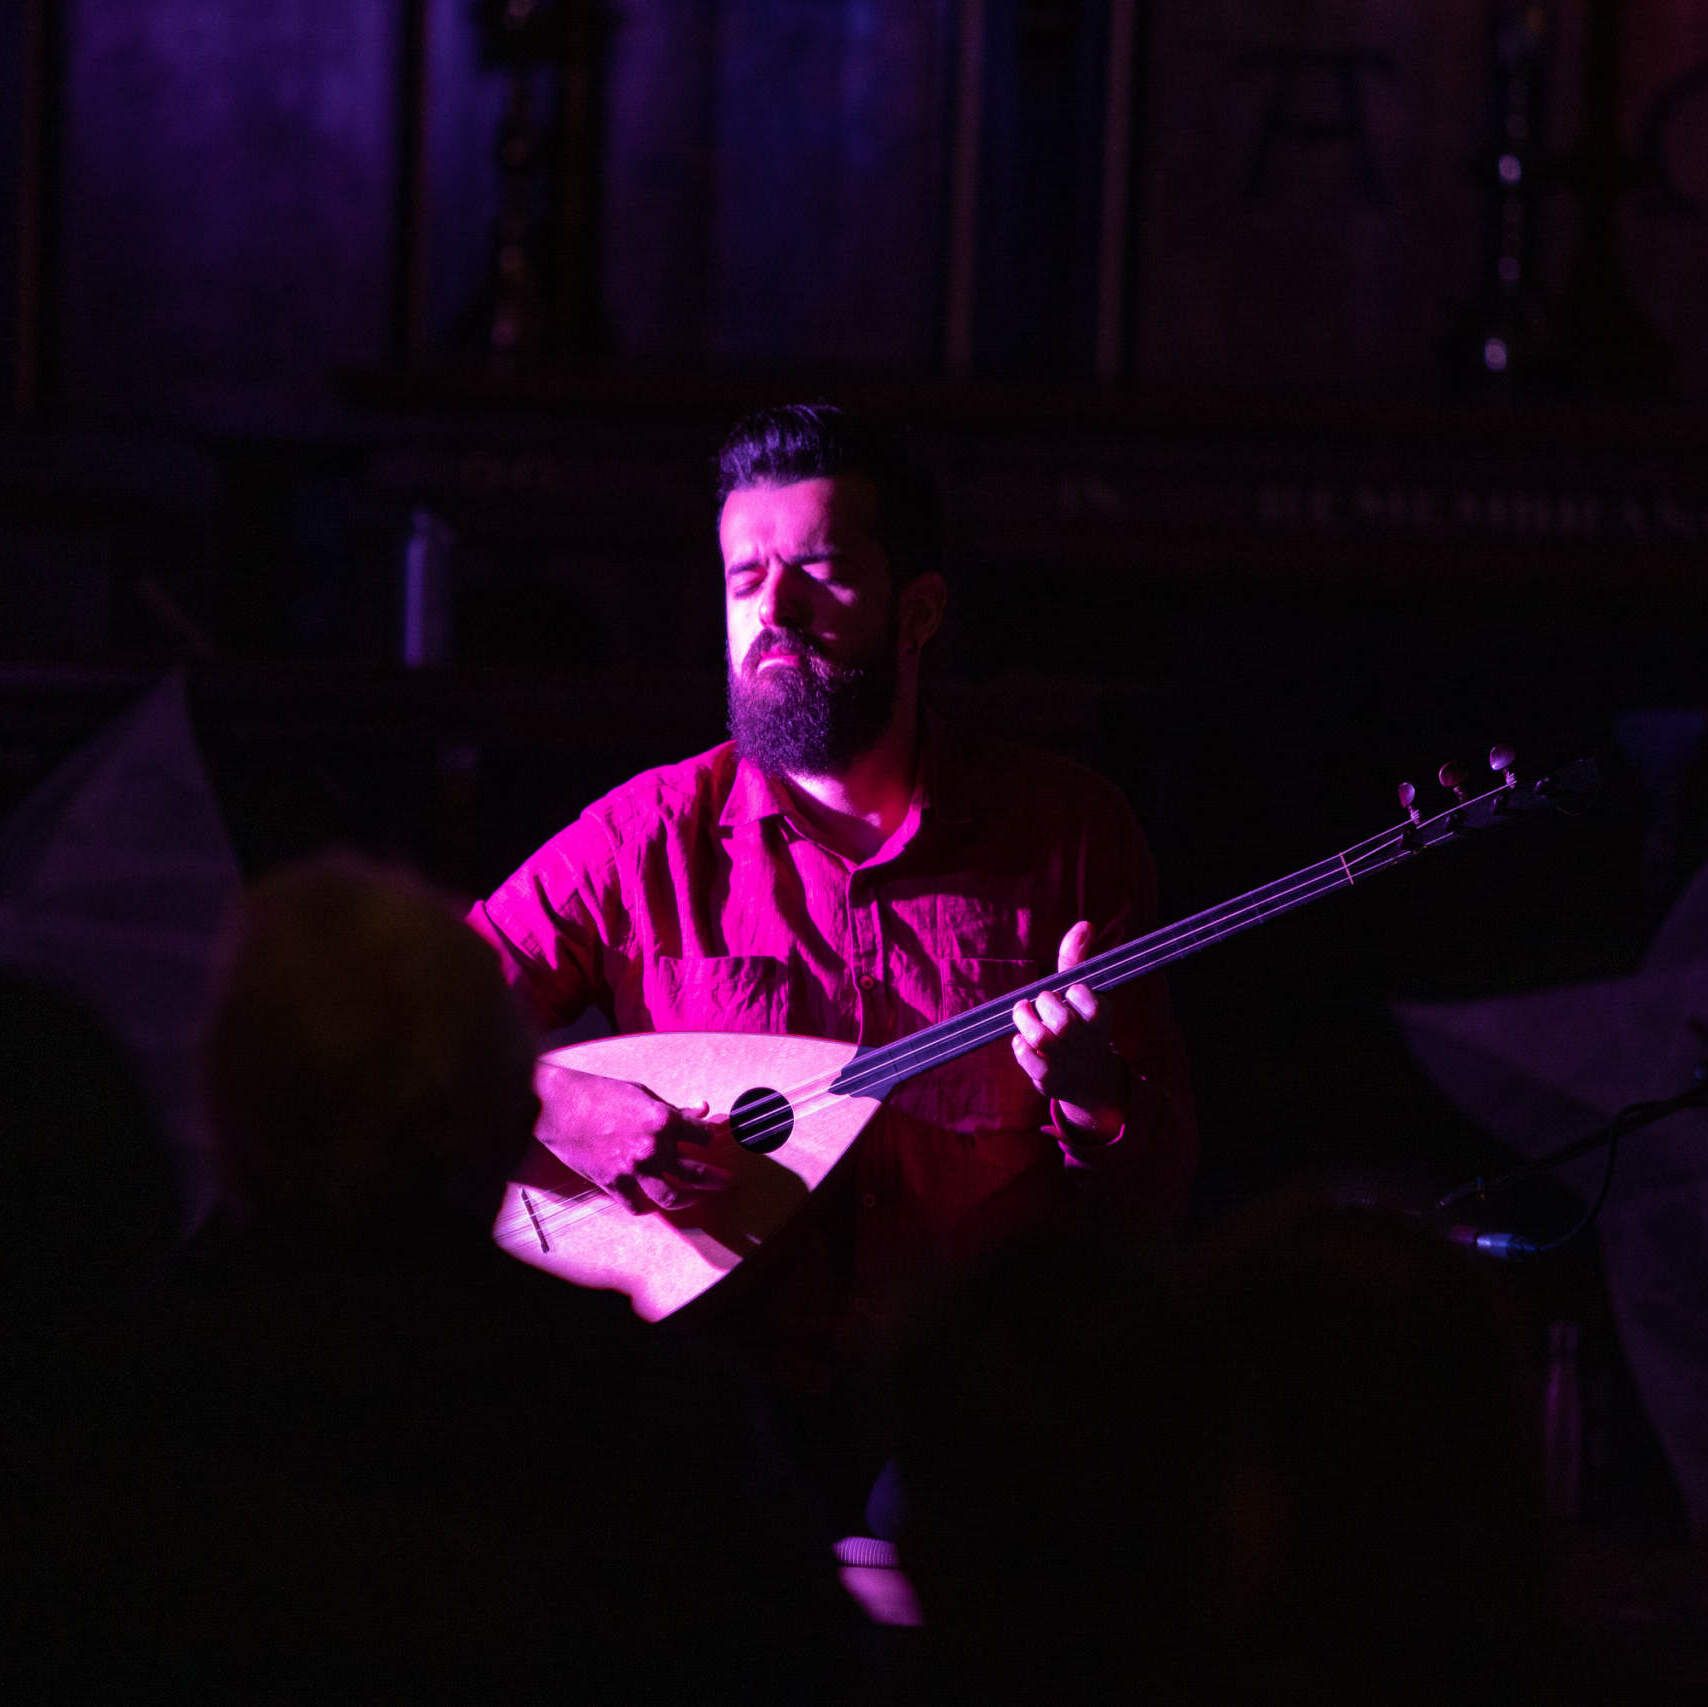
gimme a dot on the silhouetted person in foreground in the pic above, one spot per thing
(88, 1214)
(376, 1457)
(1292, 1466)
(86, 1189)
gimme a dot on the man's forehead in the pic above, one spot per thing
(812, 511)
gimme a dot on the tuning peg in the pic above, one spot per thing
(1454, 776)
(1408, 799)
(1502, 758)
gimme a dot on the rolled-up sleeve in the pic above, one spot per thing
(556, 920)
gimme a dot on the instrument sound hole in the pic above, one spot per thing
(761, 1120)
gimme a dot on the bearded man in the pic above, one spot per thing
(847, 866)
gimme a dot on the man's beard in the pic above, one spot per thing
(814, 717)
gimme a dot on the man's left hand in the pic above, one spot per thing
(1063, 1045)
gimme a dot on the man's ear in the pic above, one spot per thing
(923, 602)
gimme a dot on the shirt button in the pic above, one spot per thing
(869, 1201)
(867, 981)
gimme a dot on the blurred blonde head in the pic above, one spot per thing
(365, 1055)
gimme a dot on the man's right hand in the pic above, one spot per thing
(624, 1139)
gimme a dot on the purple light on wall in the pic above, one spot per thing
(228, 205)
(426, 637)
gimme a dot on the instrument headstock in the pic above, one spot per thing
(1565, 790)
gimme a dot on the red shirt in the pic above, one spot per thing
(691, 899)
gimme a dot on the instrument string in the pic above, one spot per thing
(955, 1037)
(886, 1066)
(991, 1020)
(1132, 959)
(986, 1023)
(551, 1209)
(979, 1026)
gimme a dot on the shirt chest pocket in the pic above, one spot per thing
(725, 992)
(966, 982)
(984, 1092)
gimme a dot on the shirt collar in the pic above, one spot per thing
(751, 798)
(937, 794)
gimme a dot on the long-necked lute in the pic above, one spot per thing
(786, 1109)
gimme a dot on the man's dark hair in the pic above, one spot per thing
(811, 441)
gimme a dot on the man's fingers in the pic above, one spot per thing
(696, 1125)
(1035, 1067)
(1049, 1015)
(626, 1189)
(663, 1193)
(1062, 1044)
(682, 1180)
(702, 1176)
(1029, 1025)
(675, 1192)
(641, 1194)
(1074, 946)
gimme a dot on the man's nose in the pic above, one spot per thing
(782, 602)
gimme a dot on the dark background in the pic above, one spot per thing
(1318, 392)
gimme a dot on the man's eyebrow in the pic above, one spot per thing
(811, 554)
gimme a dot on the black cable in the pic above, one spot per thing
(1629, 1119)
(1594, 1209)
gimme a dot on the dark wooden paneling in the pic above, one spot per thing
(228, 200)
(14, 216)
(31, 79)
(828, 184)
(1307, 201)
